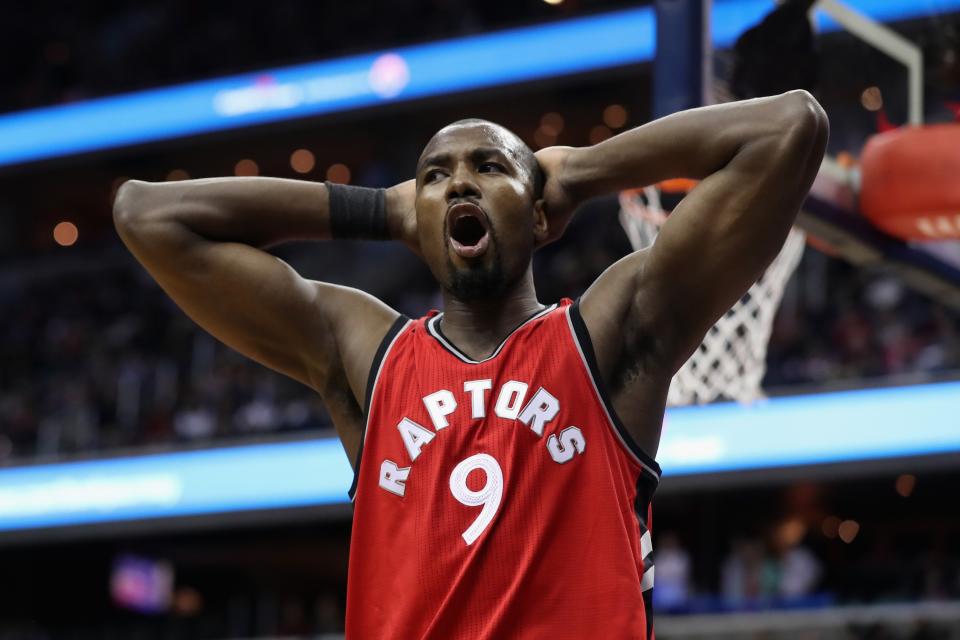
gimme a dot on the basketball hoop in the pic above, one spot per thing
(731, 360)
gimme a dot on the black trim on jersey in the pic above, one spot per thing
(648, 610)
(641, 505)
(646, 486)
(433, 328)
(385, 343)
(586, 346)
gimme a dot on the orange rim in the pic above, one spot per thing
(822, 245)
(674, 185)
(678, 185)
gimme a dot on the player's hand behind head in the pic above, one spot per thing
(557, 201)
(402, 214)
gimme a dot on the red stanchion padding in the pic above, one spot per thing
(910, 184)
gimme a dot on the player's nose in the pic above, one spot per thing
(461, 184)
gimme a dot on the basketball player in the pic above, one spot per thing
(504, 448)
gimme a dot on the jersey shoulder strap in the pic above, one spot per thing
(397, 328)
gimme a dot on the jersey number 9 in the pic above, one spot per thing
(489, 495)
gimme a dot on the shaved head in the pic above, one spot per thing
(501, 138)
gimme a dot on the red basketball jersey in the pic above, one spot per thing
(499, 498)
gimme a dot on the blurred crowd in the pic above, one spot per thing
(55, 52)
(106, 360)
(800, 574)
(786, 571)
(109, 361)
(779, 571)
(838, 323)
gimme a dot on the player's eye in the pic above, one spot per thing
(432, 175)
(487, 166)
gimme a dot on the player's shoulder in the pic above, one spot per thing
(614, 291)
(358, 323)
(352, 313)
(615, 306)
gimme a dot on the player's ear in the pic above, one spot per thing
(541, 227)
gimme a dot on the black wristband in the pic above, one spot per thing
(357, 212)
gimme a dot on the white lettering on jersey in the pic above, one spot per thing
(570, 443)
(477, 390)
(439, 405)
(414, 437)
(538, 414)
(510, 399)
(541, 409)
(392, 477)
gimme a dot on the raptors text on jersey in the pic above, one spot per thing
(499, 498)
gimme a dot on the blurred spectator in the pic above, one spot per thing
(778, 54)
(673, 569)
(194, 421)
(800, 572)
(741, 573)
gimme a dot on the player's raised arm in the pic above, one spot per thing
(203, 241)
(756, 160)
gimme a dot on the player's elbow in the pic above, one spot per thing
(794, 144)
(140, 215)
(147, 224)
(804, 122)
(129, 204)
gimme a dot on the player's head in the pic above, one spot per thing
(479, 208)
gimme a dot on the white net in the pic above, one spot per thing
(731, 360)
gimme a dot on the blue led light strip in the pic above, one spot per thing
(801, 430)
(448, 66)
(812, 429)
(336, 85)
(267, 476)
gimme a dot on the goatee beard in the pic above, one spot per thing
(477, 282)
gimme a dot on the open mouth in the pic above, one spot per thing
(469, 229)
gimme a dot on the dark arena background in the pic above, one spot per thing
(156, 484)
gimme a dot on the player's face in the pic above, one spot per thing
(476, 216)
